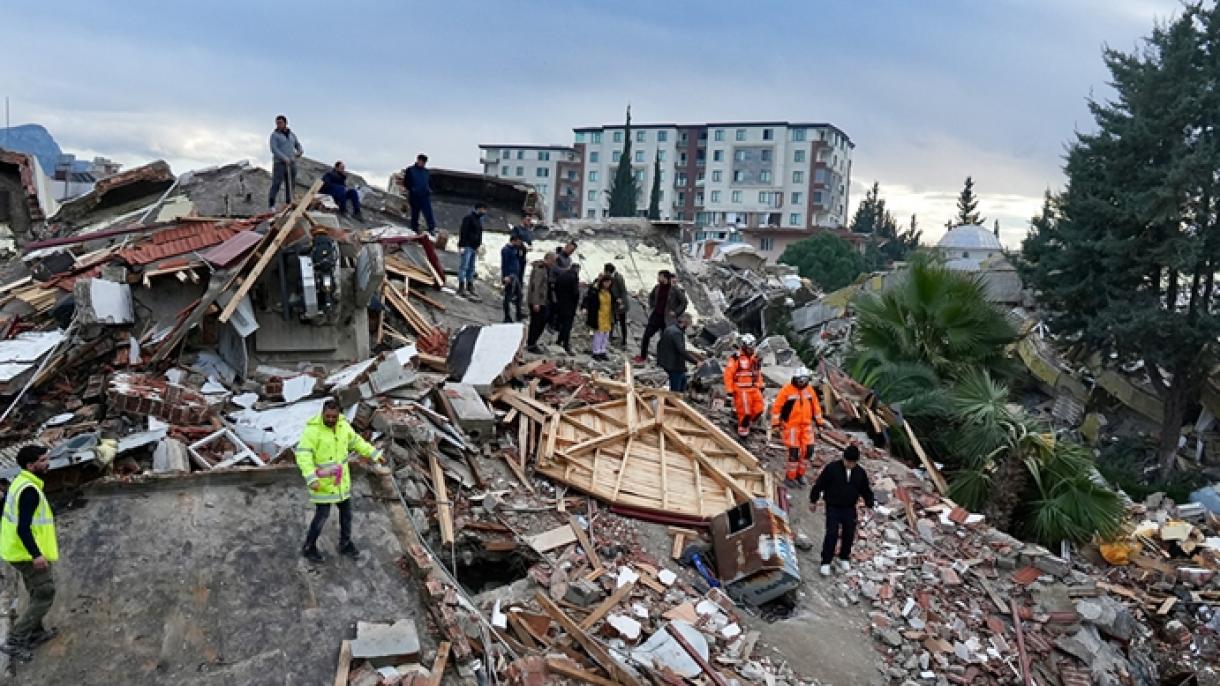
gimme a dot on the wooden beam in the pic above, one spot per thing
(444, 509)
(586, 543)
(270, 251)
(933, 473)
(622, 468)
(438, 665)
(617, 674)
(572, 671)
(345, 663)
(607, 605)
(716, 473)
(694, 655)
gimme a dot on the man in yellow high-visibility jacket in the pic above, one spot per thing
(28, 543)
(322, 457)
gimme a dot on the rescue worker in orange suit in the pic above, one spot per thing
(744, 383)
(794, 412)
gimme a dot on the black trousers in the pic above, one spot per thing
(620, 319)
(656, 323)
(840, 532)
(320, 514)
(512, 294)
(538, 322)
(563, 323)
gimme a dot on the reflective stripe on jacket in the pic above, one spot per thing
(42, 526)
(796, 406)
(322, 457)
(742, 372)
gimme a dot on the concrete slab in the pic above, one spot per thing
(199, 580)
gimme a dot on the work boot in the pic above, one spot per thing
(313, 555)
(350, 550)
(461, 289)
(535, 349)
(41, 636)
(470, 294)
(16, 650)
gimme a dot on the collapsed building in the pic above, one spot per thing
(545, 519)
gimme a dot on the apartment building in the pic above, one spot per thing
(555, 171)
(720, 176)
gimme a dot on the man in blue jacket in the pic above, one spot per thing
(419, 192)
(334, 184)
(285, 149)
(511, 267)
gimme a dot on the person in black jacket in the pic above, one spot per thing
(672, 354)
(844, 483)
(470, 239)
(334, 184)
(567, 299)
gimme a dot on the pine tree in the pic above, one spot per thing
(1125, 259)
(624, 188)
(967, 206)
(887, 244)
(654, 199)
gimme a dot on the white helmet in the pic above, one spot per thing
(802, 373)
(748, 339)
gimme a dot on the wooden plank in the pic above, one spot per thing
(572, 671)
(520, 474)
(622, 468)
(592, 647)
(552, 539)
(716, 473)
(678, 546)
(438, 666)
(444, 509)
(345, 663)
(269, 252)
(694, 655)
(522, 631)
(1016, 625)
(664, 474)
(607, 605)
(937, 479)
(586, 543)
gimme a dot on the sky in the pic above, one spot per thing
(930, 92)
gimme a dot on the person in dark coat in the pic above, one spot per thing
(470, 239)
(334, 184)
(510, 276)
(567, 300)
(844, 484)
(418, 181)
(672, 354)
(540, 298)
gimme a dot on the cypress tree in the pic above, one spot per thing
(624, 189)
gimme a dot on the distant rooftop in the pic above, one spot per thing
(518, 146)
(969, 237)
(725, 124)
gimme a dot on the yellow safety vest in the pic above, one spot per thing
(323, 448)
(42, 526)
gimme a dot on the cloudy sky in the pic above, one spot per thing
(929, 91)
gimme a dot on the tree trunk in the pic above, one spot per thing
(1171, 429)
(1008, 492)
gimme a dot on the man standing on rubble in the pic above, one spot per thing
(666, 302)
(418, 181)
(794, 412)
(845, 484)
(743, 382)
(285, 149)
(567, 300)
(510, 276)
(470, 240)
(672, 354)
(618, 287)
(322, 455)
(540, 298)
(334, 184)
(28, 543)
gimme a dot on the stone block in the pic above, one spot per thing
(386, 645)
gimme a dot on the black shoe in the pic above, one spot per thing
(535, 350)
(313, 555)
(17, 651)
(568, 349)
(358, 217)
(41, 636)
(350, 550)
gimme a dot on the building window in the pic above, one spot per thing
(740, 134)
(580, 136)
(718, 135)
(764, 176)
(715, 196)
(682, 179)
(739, 155)
(681, 197)
(661, 155)
(821, 175)
(798, 177)
(543, 188)
(717, 175)
(794, 219)
(504, 170)
(762, 196)
(796, 198)
(520, 154)
(662, 136)
(768, 134)
(717, 155)
(520, 171)
(639, 155)
(736, 196)
(817, 198)
(798, 156)
(597, 136)
(739, 176)
(591, 214)
(593, 176)
(594, 157)
(506, 154)
(618, 137)
(544, 155)
(614, 156)
(765, 155)
(542, 172)
(699, 178)
(798, 134)
(641, 136)
(639, 175)
(679, 215)
(661, 176)
(699, 198)
(592, 196)
(682, 158)
(766, 244)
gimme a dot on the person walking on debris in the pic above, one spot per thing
(525, 232)
(470, 241)
(672, 354)
(794, 412)
(540, 298)
(744, 383)
(322, 455)
(28, 543)
(563, 256)
(567, 300)
(619, 288)
(844, 483)
(510, 276)
(601, 305)
(666, 303)
(334, 184)
(418, 181)
(285, 149)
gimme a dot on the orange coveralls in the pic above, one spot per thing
(743, 380)
(795, 411)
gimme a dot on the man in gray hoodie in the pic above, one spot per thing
(285, 149)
